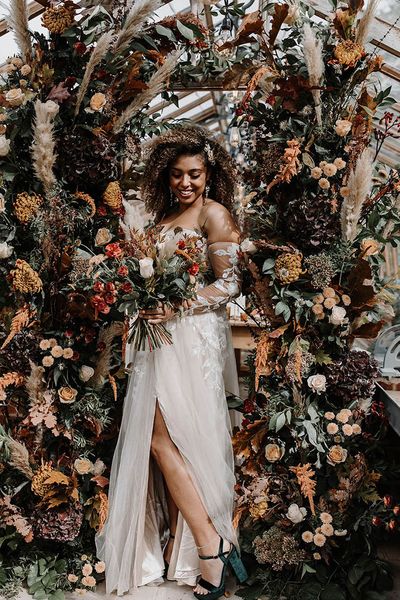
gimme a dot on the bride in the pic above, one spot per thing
(172, 475)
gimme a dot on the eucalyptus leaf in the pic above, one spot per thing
(185, 31)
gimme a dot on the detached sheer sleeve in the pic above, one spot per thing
(223, 257)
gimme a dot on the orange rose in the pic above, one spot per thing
(67, 395)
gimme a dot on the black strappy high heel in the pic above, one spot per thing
(231, 559)
(166, 564)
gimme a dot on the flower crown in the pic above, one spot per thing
(210, 153)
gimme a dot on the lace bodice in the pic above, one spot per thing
(223, 259)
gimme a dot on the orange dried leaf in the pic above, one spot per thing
(20, 320)
(304, 474)
(57, 477)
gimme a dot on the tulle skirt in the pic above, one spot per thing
(190, 380)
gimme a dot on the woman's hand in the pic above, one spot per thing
(162, 312)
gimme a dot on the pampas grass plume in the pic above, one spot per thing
(17, 20)
(137, 15)
(359, 184)
(312, 49)
(43, 146)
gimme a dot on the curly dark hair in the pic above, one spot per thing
(162, 153)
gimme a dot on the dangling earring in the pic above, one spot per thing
(173, 199)
(206, 192)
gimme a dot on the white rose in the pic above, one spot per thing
(296, 514)
(85, 373)
(146, 267)
(317, 383)
(103, 236)
(338, 315)
(52, 108)
(5, 250)
(98, 467)
(15, 97)
(248, 246)
(4, 145)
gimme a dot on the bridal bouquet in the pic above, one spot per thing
(142, 271)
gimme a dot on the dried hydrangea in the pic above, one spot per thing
(352, 377)
(320, 269)
(277, 548)
(298, 363)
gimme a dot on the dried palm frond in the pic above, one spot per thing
(304, 474)
(155, 86)
(364, 24)
(139, 12)
(359, 184)
(312, 49)
(10, 378)
(34, 384)
(20, 320)
(43, 146)
(17, 20)
(96, 57)
(102, 369)
(19, 457)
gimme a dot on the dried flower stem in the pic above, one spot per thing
(312, 49)
(139, 12)
(43, 147)
(359, 184)
(17, 19)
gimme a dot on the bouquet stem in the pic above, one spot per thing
(148, 336)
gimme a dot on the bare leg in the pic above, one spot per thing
(187, 500)
(173, 518)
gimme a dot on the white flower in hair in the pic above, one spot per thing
(210, 153)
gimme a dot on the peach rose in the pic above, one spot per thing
(318, 299)
(67, 395)
(97, 102)
(85, 373)
(52, 342)
(340, 532)
(339, 163)
(330, 169)
(324, 184)
(347, 429)
(72, 577)
(17, 62)
(337, 455)
(87, 569)
(83, 466)
(328, 292)
(317, 383)
(317, 309)
(57, 351)
(89, 581)
(327, 529)
(342, 127)
(326, 517)
(370, 247)
(356, 429)
(317, 556)
(344, 191)
(319, 539)
(273, 452)
(100, 566)
(329, 302)
(346, 300)
(47, 361)
(307, 537)
(316, 172)
(103, 236)
(329, 415)
(44, 344)
(25, 70)
(15, 97)
(332, 428)
(68, 353)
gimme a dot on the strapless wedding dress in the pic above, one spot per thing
(190, 379)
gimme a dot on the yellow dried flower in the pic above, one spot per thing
(26, 206)
(113, 195)
(89, 200)
(58, 19)
(348, 53)
(288, 267)
(38, 486)
(25, 279)
(259, 509)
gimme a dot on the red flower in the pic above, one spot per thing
(80, 48)
(396, 510)
(98, 286)
(392, 525)
(96, 300)
(101, 306)
(110, 298)
(110, 287)
(113, 250)
(76, 355)
(248, 406)
(194, 269)
(69, 333)
(101, 210)
(387, 501)
(181, 244)
(123, 271)
(376, 521)
(126, 287)
(105, 309)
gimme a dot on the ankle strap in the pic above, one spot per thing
(220, 553)
(171, 536)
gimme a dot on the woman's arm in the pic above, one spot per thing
(223, 244)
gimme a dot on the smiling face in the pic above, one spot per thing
(188, 178)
